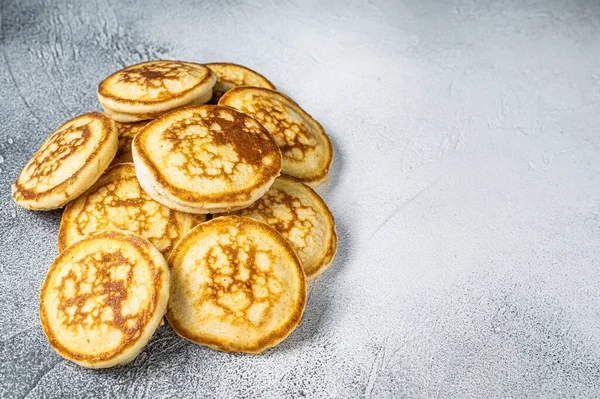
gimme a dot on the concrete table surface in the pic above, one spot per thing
(466, 189)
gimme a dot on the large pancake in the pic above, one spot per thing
(145, 89)
(118, 201)
(306, 149)
(68, 163)
(127, 131)
(205, 159)
(236, 286)
(233, 75)
(103, 297)
(303, 218)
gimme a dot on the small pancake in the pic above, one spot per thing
(154, 87)
(301, 217)
(127, 131)
(117, 201)
(232, 75)
(205, 159)
(68, 163)
(237, 286)
(306, 149)
(103, 297)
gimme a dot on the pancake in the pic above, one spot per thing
(301, 217)
(145, 90)
(127, 131)
(118, 201)
(232, 75)
(236, 286)
(205, 159)
(68, 163)
(103, 297)
(306, 149)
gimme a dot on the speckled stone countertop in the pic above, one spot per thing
(466, 189)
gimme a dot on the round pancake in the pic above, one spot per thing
(103, 297)
(236, 286)
(68, 163)
(127, 131)
(301, 217)
(205, 159)
(155, 86)
(118, 201)
(306, 149)
(232, 75)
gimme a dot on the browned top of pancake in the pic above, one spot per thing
(234, 270)
(59, 161)
(152, 79)
(116, 200)
(231, 75)
(296, 133)
(211, 143)
(239, 75)
(92, 291)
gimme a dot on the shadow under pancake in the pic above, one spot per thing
(321, 292)
(336, 169)
(52, 218)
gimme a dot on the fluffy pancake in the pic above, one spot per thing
(236, 286)
(232, 75)
(205, 159)
(303, 218)
(306, 149)
(127, 131)
(103, 297)
(145, 90)
(118, 201)
(68, 163)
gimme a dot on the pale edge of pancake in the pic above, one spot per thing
(124, 117)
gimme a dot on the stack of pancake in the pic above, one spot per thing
(189, 197)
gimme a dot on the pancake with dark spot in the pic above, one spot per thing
(146, 90)
(307, 151)
(237, 286)
(205, 159)
(103, 298)
(68, 163)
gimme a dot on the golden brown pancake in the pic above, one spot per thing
(127, 131)
(68, 163)
(237, 286)
(306, 149)
(303, 218)
(232, 75)
(103, 297)
(118, 201)
(205, 159)
(145, 90)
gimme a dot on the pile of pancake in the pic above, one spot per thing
(189, 197)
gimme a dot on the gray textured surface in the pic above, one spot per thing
(466, 188)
